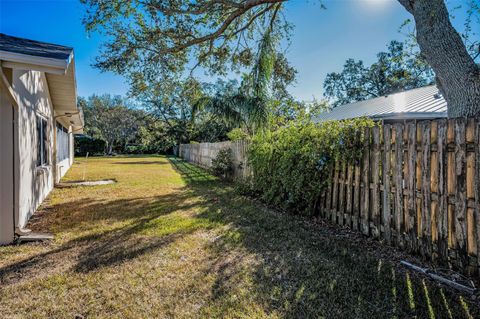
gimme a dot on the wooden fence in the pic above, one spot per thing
(417, 187)
(202, 154)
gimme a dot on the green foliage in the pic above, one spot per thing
(164, 38)
(92, 146)
(222, 164)
(154, 137)
(237, 134)
(400, 68)
(112, 119)
(147, 149)
(290, 165)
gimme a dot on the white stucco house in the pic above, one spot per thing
(38, 117)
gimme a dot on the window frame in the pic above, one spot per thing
(43, 159)
(64, 154)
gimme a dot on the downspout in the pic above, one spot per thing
(13, 100)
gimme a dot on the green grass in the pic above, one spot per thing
(169, 240)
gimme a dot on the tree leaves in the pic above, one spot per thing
(395, 70)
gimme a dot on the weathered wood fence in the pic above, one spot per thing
(417, 187)
(202, 154)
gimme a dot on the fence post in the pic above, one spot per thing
(386, 204)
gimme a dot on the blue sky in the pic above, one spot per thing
(322, 41)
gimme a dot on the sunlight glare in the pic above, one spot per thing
(375, 6)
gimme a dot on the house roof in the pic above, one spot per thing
(58, 64)
(424, 102)
(34, 48)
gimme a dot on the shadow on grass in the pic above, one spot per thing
(141, 163)
(302, 270)
(276, 262)
(103, 248)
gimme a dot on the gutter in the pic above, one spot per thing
(28, 62)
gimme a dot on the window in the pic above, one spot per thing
(42, 141)
(63, 143)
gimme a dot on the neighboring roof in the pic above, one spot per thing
(58, 64)
(34, 48)
(425, 102)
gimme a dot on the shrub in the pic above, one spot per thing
(237, 134)
(144, 149)
(222, 164)
(244, 186)
(85, 144)
(290, 166)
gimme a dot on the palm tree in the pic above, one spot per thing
(249, 107)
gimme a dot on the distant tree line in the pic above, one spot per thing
(115, 125)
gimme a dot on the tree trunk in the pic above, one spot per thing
(457, 75)
(109, 148)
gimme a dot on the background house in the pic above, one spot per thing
(38, 116)
(422, 103)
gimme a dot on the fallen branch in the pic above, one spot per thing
(443, 280)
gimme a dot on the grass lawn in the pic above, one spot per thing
(168, 240)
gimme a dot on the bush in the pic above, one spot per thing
(85, 144)
(222, 164)
(144, 149)
(290, 166)
(237, 134)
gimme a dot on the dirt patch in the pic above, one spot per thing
(86, 183)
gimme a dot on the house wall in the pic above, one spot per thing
(35, 182)
(6, 169)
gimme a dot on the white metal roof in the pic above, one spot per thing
(425, 102)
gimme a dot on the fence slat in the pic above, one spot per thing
(365, 192)
(477, 188)
(442, 218)
(426, 192)
(349, 205)
(334, 209)
(418, 189)
(386, 205)
(375, 218)
(470, 193)
(460, 196)
(399, 183)
(411, 194)
(341, 201)
(328, 201)
(356, 199)
(434, 187)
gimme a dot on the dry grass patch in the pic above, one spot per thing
(168, 240)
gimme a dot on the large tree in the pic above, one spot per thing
(175, 35)
(457, 74)
(110, 119)
(395, 70)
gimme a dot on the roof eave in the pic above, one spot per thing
(56, 70)
(410, 116)
(29, 62)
